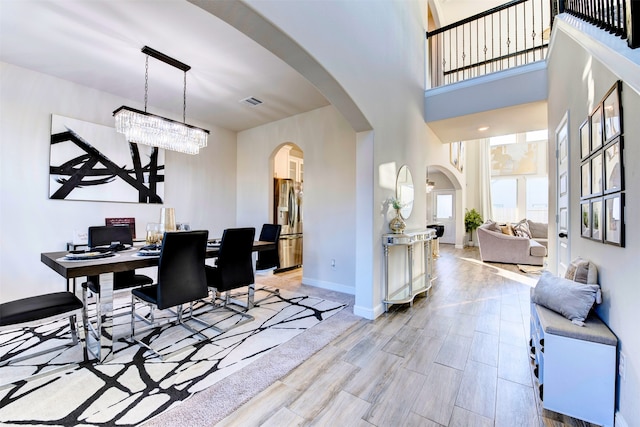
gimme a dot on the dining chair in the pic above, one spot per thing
(34, 311)
(269, 261)
(181, 280)
(234, 268)
(111, 236)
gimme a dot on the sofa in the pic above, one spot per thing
(498, 246)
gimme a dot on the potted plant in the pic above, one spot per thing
(472, 220)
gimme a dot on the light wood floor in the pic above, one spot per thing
(456, 358)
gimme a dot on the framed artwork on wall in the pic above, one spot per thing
(585, 219)
(601, 171)
(596, 129)
(614, 219)
(596, 175)
(611, 111)
(92, 162)
(596, 219)
(585, 146)
(585, 173)
(613, 166)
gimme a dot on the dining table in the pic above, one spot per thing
(104, 268)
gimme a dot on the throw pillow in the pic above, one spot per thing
(571, 299)
(493, 226)
(584, 271)
(521, 229)
(507, 229)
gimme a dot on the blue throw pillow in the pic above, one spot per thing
(571, 299)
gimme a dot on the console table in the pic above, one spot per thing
(417, 283)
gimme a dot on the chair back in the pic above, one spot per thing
(235, 261)
(271, 258)
(105, 235)
(181, 275)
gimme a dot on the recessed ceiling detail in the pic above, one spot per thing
(252, 100)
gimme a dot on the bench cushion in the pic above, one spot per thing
(594, 328)
(38, 307)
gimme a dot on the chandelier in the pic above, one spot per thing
(145, 128)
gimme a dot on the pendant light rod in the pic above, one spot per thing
(165, 58)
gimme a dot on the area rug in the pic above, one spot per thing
(136, 386)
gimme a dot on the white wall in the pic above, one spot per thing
(382, 68)
(329, 147)
(577, 82)
(201, 188)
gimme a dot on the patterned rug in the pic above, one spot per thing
(135, 385)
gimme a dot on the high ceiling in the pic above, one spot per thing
(97, 44)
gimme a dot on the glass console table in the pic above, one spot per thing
(418, 282)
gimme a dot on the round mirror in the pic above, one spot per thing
(404, 191)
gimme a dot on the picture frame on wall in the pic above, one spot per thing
(585, 174)
(596, 175)
(596, 129)
(585, 219)
(613, 167)
(612, 114)
(614, 219)
(596, 219)
(461, 156)
(585, 146)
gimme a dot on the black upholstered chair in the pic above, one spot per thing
(181, 278)
(269, 260)
(109, 236)
(234, 266)
(36, 310)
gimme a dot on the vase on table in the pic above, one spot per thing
(397, 224)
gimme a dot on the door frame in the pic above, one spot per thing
(563, 191)
(453, 222)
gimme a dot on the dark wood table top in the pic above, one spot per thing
(123, 261)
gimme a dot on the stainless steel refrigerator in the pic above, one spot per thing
(287, 211)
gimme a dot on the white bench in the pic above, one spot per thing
(575, 365)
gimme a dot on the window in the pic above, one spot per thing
(504, 195)
(537, 194)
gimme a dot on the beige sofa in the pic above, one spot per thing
(498, 247)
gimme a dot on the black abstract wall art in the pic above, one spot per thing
(95, 163)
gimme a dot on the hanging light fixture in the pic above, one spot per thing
(157, 131)
(430, 184)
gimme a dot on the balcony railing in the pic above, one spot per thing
(615, 16)
(517, 33)
(513, 34)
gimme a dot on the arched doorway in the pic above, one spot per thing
(288, 179)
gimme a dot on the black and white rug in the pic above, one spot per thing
(136, 386)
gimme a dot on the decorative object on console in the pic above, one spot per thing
(157, 131)
(168, 219)
(601, 151)
(397, 224)
(89, 162)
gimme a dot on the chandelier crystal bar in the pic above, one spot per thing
(156, 131)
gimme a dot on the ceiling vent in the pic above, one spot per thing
(252, 101)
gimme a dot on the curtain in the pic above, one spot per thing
(485, 179)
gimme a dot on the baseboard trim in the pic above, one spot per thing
(368, 313)
(350, 290)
